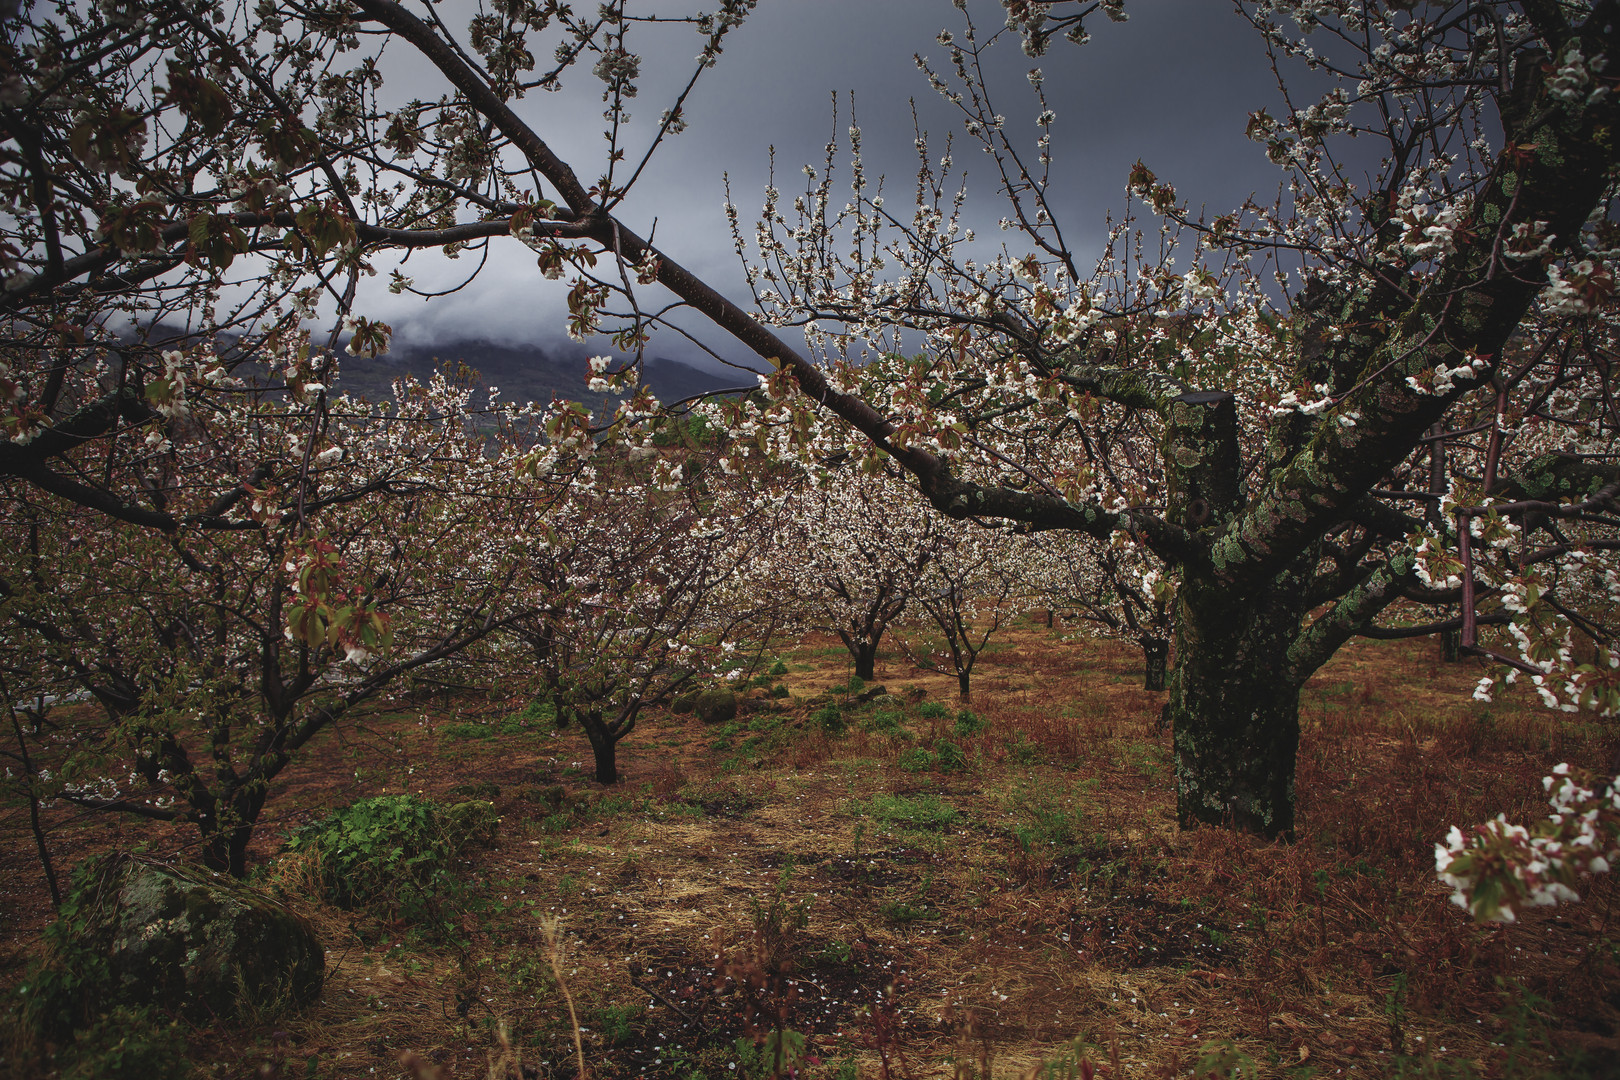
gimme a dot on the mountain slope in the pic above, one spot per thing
(521, 373)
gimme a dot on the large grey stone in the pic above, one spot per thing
(139, 931)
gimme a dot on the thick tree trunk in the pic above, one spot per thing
(864, 654)
(1233, 706)
(1234, 712)
(962, 688)
(604, 747)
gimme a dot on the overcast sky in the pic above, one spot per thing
(1173, 86)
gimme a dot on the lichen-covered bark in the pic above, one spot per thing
(1234, 713)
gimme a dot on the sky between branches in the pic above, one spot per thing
(1173, 86)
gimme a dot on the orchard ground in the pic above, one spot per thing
(925, 893)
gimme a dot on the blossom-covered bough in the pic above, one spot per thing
(1501, 868)
(1300, 409)
(1309, 419)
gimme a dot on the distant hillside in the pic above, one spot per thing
(521, 373)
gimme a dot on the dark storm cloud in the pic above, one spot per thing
(1172, 86)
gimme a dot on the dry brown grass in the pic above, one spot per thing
(1059, 903)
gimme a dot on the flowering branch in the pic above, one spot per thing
(1499, 868)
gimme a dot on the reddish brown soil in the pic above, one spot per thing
(930, 951)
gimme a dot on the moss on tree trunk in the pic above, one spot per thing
(1234, 712)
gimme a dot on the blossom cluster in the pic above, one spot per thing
(1498, 869)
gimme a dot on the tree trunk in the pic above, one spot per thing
(962, 685)
(1234, 712)
(607, 769)
(604, 747)
(1155, 654)
(1233, 706)
(1451, 646)
(865, 656)
(225, 841)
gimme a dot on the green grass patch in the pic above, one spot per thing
(925, 812)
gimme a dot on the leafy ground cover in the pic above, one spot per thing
(918, 890)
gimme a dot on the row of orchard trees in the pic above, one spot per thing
(860, 553)
(1391, 387)
(323, 553)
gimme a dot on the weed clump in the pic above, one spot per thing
(394, 849)
(829, 718)
(969, 723)
(945, 757)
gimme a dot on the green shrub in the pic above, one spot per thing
(949, 756)
(969, 723)
(932, 710)
(904, 912)
(836, 953)
(779, 668)
(396, 849)
(1049, 823)
(917, 759)
(461, 731)
(684, 703)
(855, 685)
(1022, 751)
(614, 1023)
(60, 995)
(127, 1044)
(778, 691)
(829, 718)
(539, 711)
(887, 722)
(945, 756)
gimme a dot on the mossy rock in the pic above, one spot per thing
(472, 822)
(137, 931)
(716, 706)
(685, 703)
